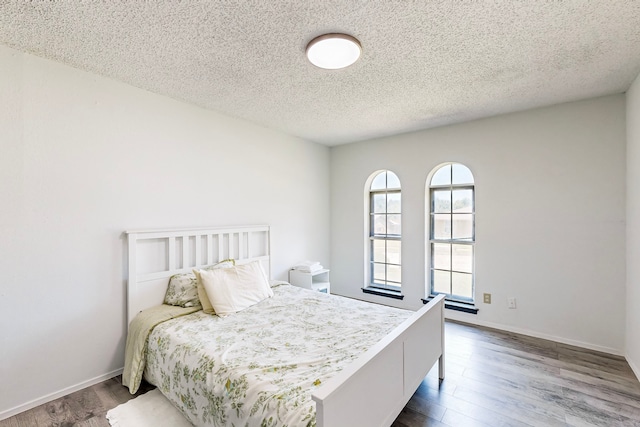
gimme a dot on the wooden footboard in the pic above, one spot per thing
(373, 390)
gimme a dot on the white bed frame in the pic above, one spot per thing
(368, 393)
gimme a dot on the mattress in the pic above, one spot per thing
(259, 367)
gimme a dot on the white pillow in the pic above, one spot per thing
(202, 293)
(233, 289)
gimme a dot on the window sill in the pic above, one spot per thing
(383, 293)
(456, 306)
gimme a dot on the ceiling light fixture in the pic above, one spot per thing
(333, 51)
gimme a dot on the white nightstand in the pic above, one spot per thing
(317, 281)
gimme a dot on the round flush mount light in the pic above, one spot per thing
(333, 51)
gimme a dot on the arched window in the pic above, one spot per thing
(385, 232)
(452, 232)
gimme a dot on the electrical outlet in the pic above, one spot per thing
(486, 298)
(511, 302)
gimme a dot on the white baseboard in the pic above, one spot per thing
(634, 368)
(470, 319)
(53, 396)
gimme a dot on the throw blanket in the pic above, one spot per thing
(138, 338)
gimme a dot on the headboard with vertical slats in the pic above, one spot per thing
(156, 255)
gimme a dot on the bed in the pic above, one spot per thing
(366, 383)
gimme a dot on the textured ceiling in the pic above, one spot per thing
(424, 64)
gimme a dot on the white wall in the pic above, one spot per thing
(83, 158)
(633, 227)
(550, 200)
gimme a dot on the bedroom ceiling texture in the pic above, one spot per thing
(424, 63)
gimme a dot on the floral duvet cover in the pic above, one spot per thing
(259, 367)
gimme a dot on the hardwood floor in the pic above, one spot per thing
(84, 408)
(496, 378)
(493, 378)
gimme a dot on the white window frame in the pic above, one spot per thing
(452, 241)
(388, 285)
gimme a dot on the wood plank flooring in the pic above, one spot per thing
(493, 378)
(84, 408)
(496, 378)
